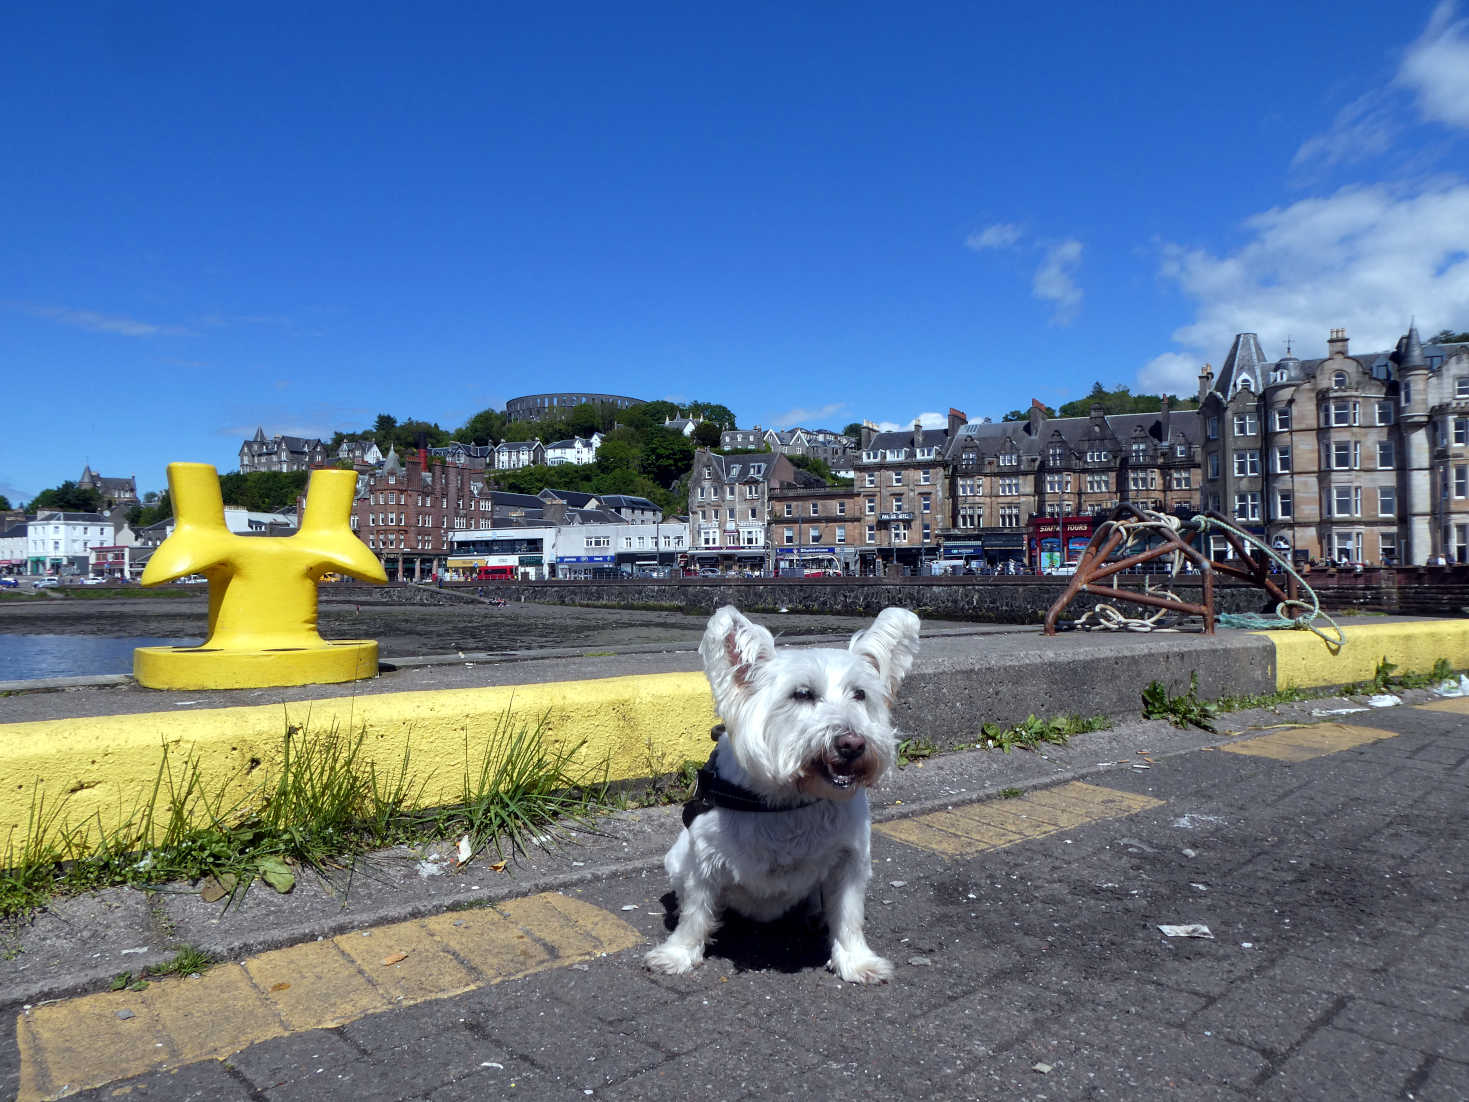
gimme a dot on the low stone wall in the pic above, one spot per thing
(1414, 591)
(1022, 600)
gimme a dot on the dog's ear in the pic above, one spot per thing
(734, 649)
(890, 645)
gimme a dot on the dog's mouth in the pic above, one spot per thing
(840, 774)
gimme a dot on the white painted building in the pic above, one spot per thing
(61, 543)
(542, 551)
(578, 450)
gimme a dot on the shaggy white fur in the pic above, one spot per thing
(808, 730)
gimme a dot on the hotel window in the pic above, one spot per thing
(1246, 424)
(869, 478)
(1098, 483)
(1384, 413)
(1183, 480)
(789, 535)
(1346, 501)
(1282, 460)
(1461, 480)
(1344, 413)
(1213, 464)
(1282, 419)
(870, 504)
(1461, 386)
(896, 505)
(871, 533)
(927, 533)
(815, 509)
(841, 508)
(1407, 393)
(813, 535)
(925, 503)
(1010, 459)
(1284, 504)
(1009, 516)
(1247, 506)
(897, 478)
(1009, 487)
(1213, 428)
(790, 509)
(1461, 431)
(1387, 501)
(841, 533)
(1386, 455)
(1339, 380)
(1387, 543)
(1346, 455)
(1054, 482)
(1056, 456)
(925, 477)
(900, 532)
(1246, 463)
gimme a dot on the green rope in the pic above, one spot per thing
(1110, 618)
(1260, 621)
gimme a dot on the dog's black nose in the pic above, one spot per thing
(851, 746)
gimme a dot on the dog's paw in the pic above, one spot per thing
(673, 960)
(860, 967)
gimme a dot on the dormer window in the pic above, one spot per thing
(1339, 380)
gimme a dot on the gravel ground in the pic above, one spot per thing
(406, 631)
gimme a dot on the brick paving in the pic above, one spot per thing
(1334, 888)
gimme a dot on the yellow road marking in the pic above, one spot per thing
(980, 827)
(1305, 743)
(87, 1042)
(1458, 704)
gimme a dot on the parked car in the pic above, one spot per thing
(8, 582)
(45, 583)
(1068, 567)
(93, 579)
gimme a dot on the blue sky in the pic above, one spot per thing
(300, 216)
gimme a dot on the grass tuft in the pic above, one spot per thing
(1183, 710)
(1033, 732)
(328, 806)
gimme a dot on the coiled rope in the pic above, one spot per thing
(1134, 529)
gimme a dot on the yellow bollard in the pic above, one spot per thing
(262, 590)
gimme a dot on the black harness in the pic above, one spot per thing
(711, 791)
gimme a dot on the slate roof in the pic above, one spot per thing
(1118, 430)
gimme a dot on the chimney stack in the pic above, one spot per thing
(1336, 344)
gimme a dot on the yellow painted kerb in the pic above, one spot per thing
(1303, 661)
(105, 766)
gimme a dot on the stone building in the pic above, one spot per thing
(816, 528)
(1348, 458)
(1030, 492)
(729, 507)
(902, 481)
(281, 453)
(407, 512)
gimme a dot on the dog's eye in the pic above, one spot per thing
(804, 695)
(859, 694)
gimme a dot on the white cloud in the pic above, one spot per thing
(927, 420)
(1365, 258)
(821, 417)
(1436, 68)
(1055, 280)
(1364, 128)
(1000, 235)
(103, 323)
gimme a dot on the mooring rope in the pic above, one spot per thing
(1148, 522)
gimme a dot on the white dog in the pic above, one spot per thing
(780, 816)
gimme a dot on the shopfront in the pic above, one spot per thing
(1055, 541)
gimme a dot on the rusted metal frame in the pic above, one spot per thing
(1258, 572)
(1085, 576)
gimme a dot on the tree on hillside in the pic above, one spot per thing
(485, 427)
(1024, 414)
(1446, 336)
(69, 498)
(712, 411)
(161, 508)
(4, 502)
(1121, 400)
(263, 491)
(707, 434)
(854, 430)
